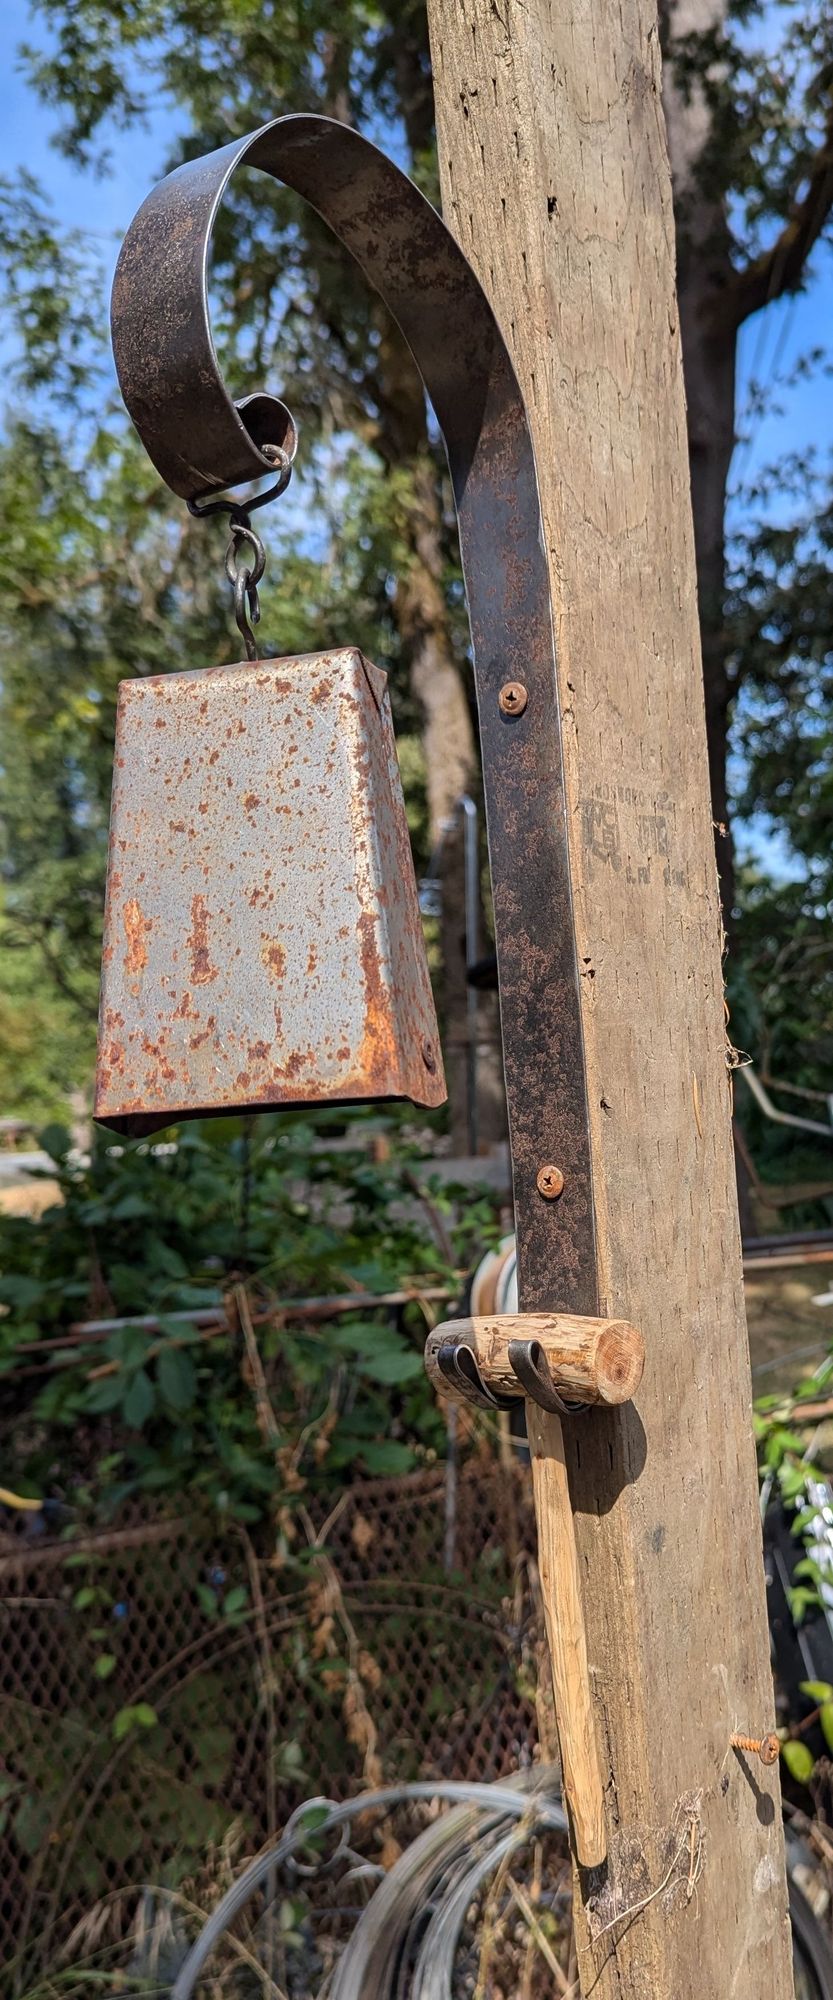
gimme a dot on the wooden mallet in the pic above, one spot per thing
(556, 1360)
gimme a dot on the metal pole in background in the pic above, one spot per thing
(431, 902)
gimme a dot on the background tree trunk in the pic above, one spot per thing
(556, 180)
(400, 435)
(709, 342)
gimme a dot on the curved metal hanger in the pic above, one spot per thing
(201, 442)
(457, 1362)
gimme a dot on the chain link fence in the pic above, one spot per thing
(167, 1687)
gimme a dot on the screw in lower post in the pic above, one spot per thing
(765, 1747)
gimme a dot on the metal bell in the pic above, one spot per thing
(262, 938)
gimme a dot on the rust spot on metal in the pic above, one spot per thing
(378, 1053)
(202, 970)
(250, 800)
(199, 1041)
(136, 927)
(273, 956)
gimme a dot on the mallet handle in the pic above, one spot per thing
(564, 1617)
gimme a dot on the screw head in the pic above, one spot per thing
(428, 1055)
(549, 1181)
(513, 698)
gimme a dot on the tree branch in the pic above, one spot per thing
(779, 269)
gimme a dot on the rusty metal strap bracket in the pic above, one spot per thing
(201, 442)
(459, 1366)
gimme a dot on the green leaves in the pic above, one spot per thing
(388, 1460)
(398, 1364)
(139, 1715)
(177, 1378)
(171, 1408)
(235, 1604)
(799, 1760)
(139, 1400)
(381, 1353)
(105, 1395)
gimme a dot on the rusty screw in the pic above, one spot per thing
(765, 1747)
(428, 1055)
(549, 1181)
(513, 698)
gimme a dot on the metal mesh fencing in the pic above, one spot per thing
(167, 1687)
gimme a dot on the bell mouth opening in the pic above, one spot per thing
(140, 1124)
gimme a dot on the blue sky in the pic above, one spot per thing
(104, 205)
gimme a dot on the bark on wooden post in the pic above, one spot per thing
(555, 179)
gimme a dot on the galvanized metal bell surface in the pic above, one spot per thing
(263, 944)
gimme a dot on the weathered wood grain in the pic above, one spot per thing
(555, 178)
(564, 1619)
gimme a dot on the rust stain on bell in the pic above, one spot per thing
(263, 945)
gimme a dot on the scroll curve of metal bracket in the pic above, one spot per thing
(201, 442)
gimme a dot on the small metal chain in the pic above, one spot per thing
(245, 564)
(245, 559)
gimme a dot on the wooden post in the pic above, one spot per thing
(555, 179)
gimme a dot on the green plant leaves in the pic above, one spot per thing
(32, 1822)
(105, 1395)
(399, 1364)
(799, 1760)
(177, 1378)
(169, 1407)
(388, 1460)
(56, 1141)
(138, 1715)
(139, 1400)
(235, 1601)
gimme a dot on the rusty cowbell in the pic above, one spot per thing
(263, 944)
